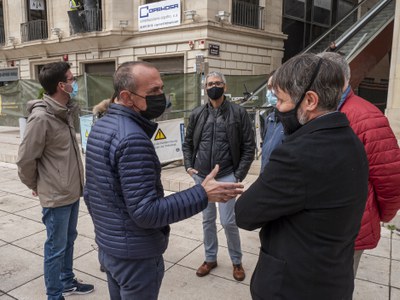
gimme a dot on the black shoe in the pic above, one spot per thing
(102, 269)
(78, 289)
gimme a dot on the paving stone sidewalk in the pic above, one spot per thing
(22, 235)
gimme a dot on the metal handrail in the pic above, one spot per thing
(247, 14)
(361, 23)
(317, 41)
(34, 30)
(355, 28)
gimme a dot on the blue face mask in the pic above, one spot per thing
(271, 98)
(74, 92)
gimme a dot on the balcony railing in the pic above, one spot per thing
(93, 19)
(34, 30)
(247, 14)
(2, 37)
(85, 20)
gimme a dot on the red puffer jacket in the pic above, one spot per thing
(383, 153)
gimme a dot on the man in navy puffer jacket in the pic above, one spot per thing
(123, 192)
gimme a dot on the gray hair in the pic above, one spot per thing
(216, 74)
(295, 75)
(124, 78)
(340, 60)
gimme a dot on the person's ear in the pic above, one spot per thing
(311, 101)
(225, 87)
(126, 98)
(61, 85)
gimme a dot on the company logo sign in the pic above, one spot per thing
(146, 11)
(159, 15)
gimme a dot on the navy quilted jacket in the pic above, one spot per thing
(123, 191)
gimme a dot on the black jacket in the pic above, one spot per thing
(239, 131)
(309, 205)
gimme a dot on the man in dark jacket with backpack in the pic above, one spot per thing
(219, 132)
(123, 192)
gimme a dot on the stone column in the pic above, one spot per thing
(393, 101)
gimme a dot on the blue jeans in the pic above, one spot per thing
(60, 225)
(228, 222)
(130, 279)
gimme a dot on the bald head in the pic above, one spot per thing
(126, 76)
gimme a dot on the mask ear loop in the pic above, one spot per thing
(310, 84)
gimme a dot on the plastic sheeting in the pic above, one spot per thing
(183, 90)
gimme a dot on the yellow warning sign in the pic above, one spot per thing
(160, 135)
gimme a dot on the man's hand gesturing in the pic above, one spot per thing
(220, 191)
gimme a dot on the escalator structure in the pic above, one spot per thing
(366, 42)
(364, 36)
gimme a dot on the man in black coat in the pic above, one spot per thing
(219, 132)
(311, 196)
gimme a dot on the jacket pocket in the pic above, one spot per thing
(267, 279)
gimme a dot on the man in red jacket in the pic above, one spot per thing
(373, 129)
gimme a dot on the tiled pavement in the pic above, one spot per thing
(22, 235)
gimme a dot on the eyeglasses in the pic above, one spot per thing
(71, 79)
(215, 83)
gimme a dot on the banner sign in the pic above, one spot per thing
(258, 132)
(86, 123)
(9, 74)
(36, 5)
(168, 140)
(159, 15)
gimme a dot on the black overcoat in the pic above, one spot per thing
(308, 201)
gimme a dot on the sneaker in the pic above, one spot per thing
(78, 289)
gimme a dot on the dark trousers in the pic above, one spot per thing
(61, 231)
(133, 279)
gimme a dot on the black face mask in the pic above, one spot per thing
(289, 119)
(215, 92)
(156, 105)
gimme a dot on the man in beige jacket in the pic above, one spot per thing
(49, 163)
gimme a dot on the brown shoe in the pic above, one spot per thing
(238, 272)
(205, 268)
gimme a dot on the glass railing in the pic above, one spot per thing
(361, 23)
(366, 29)
(349, 35)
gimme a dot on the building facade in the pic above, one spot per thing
(244, 39)
(236, 37)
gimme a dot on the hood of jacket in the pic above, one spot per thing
(52, 106)
(101, 108)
